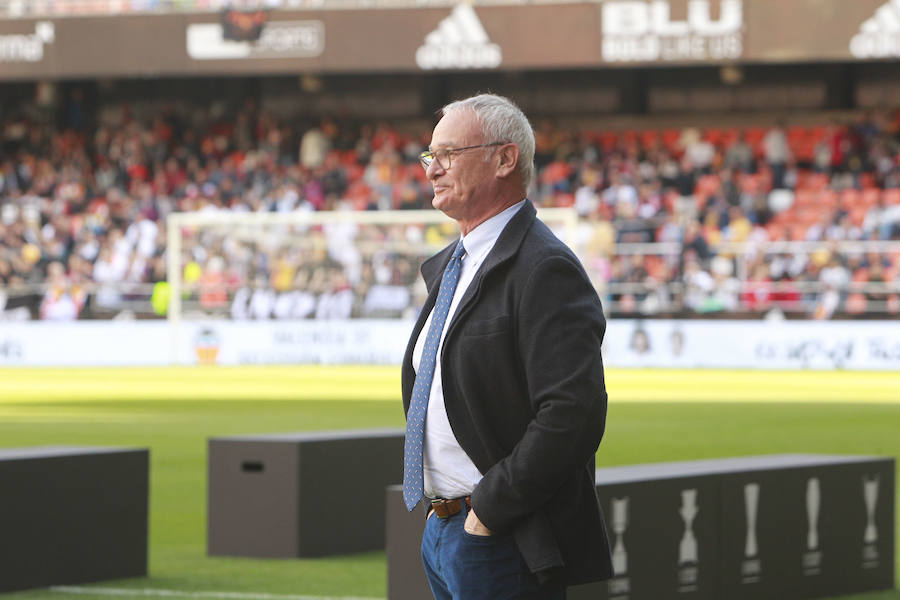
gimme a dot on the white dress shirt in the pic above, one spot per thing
(449, 472)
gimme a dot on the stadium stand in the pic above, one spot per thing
(83, 201)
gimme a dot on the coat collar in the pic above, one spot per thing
(432, 270)
(506, 246)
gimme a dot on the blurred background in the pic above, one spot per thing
(235, 183)
(725, 158)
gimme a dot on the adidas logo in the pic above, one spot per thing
(879, 36)
(459, 42)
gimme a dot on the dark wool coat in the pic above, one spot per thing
(525, 396)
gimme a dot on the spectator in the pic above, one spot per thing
(740, 155)
(777, 153)
(96, 202)
(62, 301)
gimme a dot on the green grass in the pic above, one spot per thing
(656, 415)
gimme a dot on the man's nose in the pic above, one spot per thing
(434, 170)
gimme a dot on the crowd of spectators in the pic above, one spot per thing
(84, 200)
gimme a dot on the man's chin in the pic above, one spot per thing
(439, 203)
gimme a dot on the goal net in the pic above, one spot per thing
(303, 287)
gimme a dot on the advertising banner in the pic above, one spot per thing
(853, 345)
(462, 37)
(752, 344)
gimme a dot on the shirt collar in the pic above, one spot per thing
(480, 240)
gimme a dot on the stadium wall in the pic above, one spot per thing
(617, 33)
(854, 345)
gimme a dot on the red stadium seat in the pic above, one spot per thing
(850, 199)
(670, 138)
(608, 140)
(828, 199)
(804, 198)
(797, 132)
(776, 231)
(649, 138)
(713, 136)
(858, 215)
(867, 181)
(815, 182)
(870, 196)
(817, 133)
(707, 185)
(891, 196)
(804, 151)
(798, 232)
(751, 183)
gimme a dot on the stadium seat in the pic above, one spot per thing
(850, 199)
(629, 137)
(804, 198)
(867, 181)
(707, 185)
(815, 182)
(798, 232)
(855, 304)
(670, 138)
(870, 197)
(713, 136)
(751, 183)
(649, 138)
(729, 137)
(858, 215)
(608, 140)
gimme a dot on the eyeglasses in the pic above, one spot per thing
(442, 155)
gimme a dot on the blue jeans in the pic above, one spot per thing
(462, 566)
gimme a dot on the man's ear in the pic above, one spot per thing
(508, 159)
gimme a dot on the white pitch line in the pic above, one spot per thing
(160, 593)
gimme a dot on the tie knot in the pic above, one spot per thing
(460, 250)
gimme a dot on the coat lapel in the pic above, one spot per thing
(432, 270)
(506, 247)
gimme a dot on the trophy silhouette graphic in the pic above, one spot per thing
(619, 524)
(687, 550)
(813, 501)
(751, 502)
(870, 493)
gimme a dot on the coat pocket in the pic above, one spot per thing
(488, 326)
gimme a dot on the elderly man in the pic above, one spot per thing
(502, 379)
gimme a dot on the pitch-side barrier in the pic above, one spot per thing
(781, 526)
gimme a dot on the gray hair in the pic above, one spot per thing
(502, 121)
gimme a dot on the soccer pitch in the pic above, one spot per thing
(654, 415)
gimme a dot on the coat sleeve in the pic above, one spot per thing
(559, 332)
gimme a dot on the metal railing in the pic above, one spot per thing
(130, 300)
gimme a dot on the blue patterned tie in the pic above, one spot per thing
(413, 473)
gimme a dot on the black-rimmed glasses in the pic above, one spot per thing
(442, 155)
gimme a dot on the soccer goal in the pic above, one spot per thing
(303, 287)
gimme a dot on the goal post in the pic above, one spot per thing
(332, 267)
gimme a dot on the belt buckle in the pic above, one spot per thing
(443, 505)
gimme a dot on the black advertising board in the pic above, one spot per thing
(780, 526)
(664, 537)
(71, 515)
(810, 531)
(284, 495)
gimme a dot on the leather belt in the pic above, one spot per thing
(447, 508)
